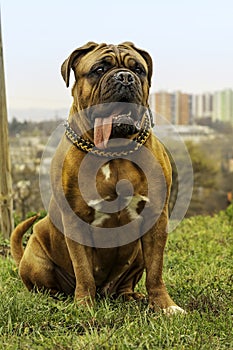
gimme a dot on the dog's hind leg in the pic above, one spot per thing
(38, 271)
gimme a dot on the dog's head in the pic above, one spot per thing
(112, 87)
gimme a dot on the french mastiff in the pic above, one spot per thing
(110, 123)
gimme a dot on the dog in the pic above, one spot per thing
(82, 247)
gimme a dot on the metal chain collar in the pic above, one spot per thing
(87, 146)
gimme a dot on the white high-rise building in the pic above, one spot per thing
(223, 105)
(217, 105)
(199, 106)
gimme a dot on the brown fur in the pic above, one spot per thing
(54, 260)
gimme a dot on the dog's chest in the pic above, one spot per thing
(120, 196)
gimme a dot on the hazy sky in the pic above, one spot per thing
(191, 43)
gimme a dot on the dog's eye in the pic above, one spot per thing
(138, 70)
(99, 70)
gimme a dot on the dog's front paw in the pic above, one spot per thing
(84, 300)
(160, 301)
(173, 310)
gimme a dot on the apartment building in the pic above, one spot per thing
(223, 105)
(183, 109)
(204, 105)
(163, 105)
(176, 108)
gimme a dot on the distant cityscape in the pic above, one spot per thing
(209, 146)
(178, 108)
(185, 109)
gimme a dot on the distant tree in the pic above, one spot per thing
(205, 172)
(204, 179)
(223, 127)
(33, 128)
(15, 127)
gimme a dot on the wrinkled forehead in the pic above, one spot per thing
(117, 55)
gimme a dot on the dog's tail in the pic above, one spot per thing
(17, 236)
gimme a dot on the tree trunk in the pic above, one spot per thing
(6, 201)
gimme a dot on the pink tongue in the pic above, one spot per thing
(102, 131)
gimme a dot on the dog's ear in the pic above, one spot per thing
(76, 55)
(146, 57)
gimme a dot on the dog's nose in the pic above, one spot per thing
(125, 78)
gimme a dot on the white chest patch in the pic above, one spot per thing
(100, 218)
(95, 203)
(106, 171)
(133, 206)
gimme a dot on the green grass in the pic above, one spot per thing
(198, 275)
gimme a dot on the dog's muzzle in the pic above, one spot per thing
(124, 77)
(120, 85)
(120, 112)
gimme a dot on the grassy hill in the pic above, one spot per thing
(198, 275)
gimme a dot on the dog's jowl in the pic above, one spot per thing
(110, 179)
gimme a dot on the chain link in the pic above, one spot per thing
(87, 146)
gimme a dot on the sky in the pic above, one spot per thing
(190, 43)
